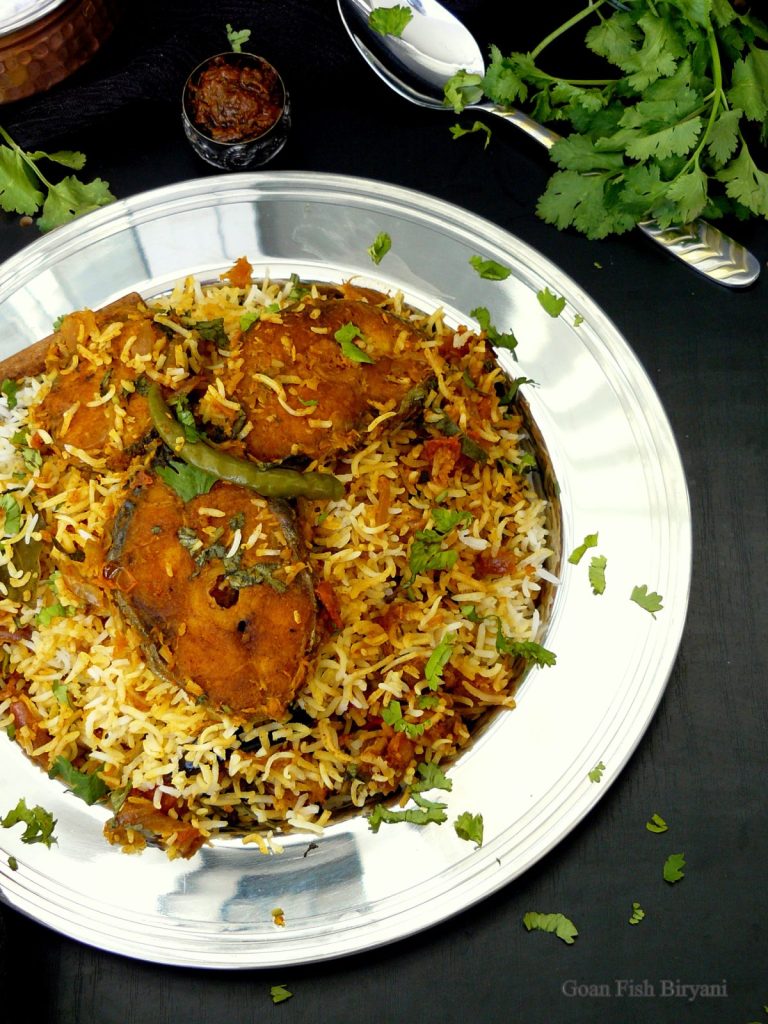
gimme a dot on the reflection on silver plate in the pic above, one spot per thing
(619, 473)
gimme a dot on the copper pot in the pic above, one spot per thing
(43, 41)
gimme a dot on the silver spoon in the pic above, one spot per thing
(435, 45)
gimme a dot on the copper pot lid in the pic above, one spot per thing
(20, 13)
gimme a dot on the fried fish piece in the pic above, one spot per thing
(305, 393)
(219, 592)
(97, 359)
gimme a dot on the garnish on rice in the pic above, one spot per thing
(207, 659)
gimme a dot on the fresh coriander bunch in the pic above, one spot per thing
(25, 189)
(672, 134)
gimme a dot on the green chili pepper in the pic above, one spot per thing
(270, 483)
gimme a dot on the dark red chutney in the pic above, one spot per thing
(232, 101)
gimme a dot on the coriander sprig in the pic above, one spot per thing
(25, 189)
(669, 137)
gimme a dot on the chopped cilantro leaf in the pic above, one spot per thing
(32, 458)
(237, 38)
(509, 394)
(89, 786)
(527, 649)
(247, 319)
(551, 303)
(427, 553)
(211, 330)
(427, 701)
(390, 21)
(432, 813)
(432, 777)
(673, 867)
(438, 659)
(187, 481)
(392, 714)
(60, 692)
(637, 914)
(379, 247)
(597, 573)
(445, 518)
(491, 270)
(9, 389)
(53, 611)
(578, 320)
(651, 602)
(345, 337)
(470, 827)
(279, 993)
(56, 325)
(12, 510)
(186, 419)
(590, 541)
(426, 811)
(13, 864)
(470, 612)
(40, 823)
(557, 923)
(496, 338)
(656, 824)
(462, 89)
(596, 774)
(479, 126)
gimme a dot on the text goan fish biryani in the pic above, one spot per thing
(204, 658)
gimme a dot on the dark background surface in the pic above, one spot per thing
(702, 762)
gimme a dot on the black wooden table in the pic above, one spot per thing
(701, 764)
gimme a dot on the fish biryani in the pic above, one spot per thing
(268, 550)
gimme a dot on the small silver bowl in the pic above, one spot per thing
(236, 110)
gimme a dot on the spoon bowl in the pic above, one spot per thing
(435, 45)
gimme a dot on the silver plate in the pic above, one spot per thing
(619, 472)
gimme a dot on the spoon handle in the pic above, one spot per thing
(700, 245)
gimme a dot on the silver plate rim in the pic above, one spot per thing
(470, 876)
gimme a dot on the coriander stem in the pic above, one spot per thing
(25, 157)
(591, 8)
